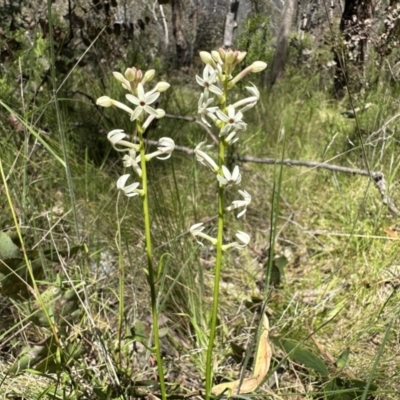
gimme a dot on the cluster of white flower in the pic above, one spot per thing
(216, 81)
(133, 80)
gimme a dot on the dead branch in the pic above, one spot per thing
(377, 177)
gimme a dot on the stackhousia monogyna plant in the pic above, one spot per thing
(213, 107)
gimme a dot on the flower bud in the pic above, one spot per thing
(162, 86)
(119, 77)
(258, 66)
(206, 58)
(241, 55)
(230, 56)
(104, 101)
(148, 76)
(221, 54)
(130, 74)
(139, 75)
(217, 57)
(160, 113)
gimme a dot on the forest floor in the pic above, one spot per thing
(331, 295)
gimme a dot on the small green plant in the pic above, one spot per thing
(257, 39)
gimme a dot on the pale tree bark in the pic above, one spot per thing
(177, 30)
(282, 43)
(230, 23)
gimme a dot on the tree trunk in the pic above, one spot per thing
(180, 41)
(282, 43)
(355, 26)
(230, 23)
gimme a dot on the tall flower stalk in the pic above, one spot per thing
(216, 81)
(143, 114)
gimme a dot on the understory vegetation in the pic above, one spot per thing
(323, 265)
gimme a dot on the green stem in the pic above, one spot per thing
(218, 266)
(121, 270)
(150, 271)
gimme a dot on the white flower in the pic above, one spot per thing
(116, 137)
(143, 101)
(230, 139)
(233, 120)
(208, 80)
(204, 110)
(197, 230)
(130, 190)
(204, 158)
(165, 146)
(240, 203)
(244, 239)
(228, 179)
(150, 118)
(132, 160)
(248, 102)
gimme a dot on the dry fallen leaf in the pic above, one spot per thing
(390, 232)
(261, 367)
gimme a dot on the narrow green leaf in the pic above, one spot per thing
(37, 135)
(343, 358)
(298, 353)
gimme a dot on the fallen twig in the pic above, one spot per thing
(377, 177)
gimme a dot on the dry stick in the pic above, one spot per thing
(165, 25)
(378, 178)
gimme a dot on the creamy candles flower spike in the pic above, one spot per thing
(135, 157)
(134, 80)
(141, 99)
(218, 78)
